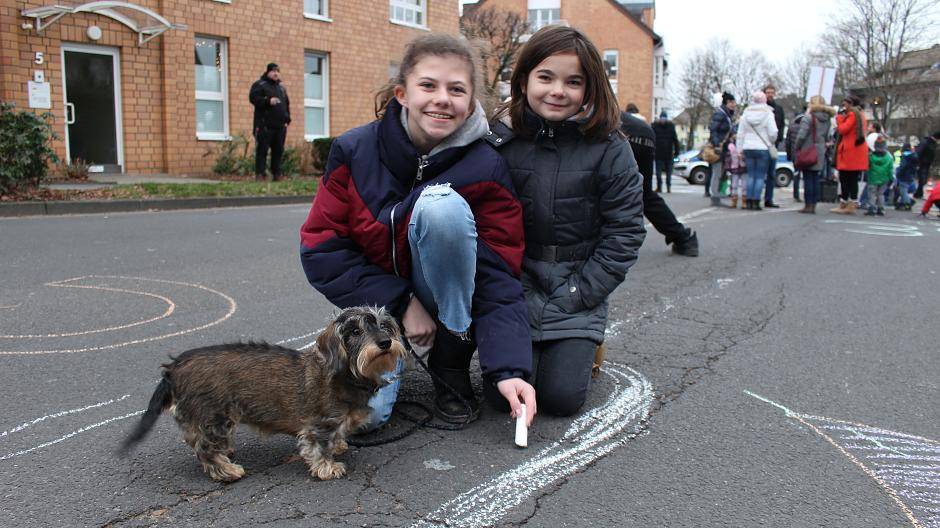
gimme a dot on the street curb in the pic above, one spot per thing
(66, 207)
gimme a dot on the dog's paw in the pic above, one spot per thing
(225, 472)
(328, 470)
(340, 447)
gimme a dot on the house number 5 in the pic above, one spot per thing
(40, 58)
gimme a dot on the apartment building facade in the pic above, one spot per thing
(151, 86)
(634, 55)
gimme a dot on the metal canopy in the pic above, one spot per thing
(147, 23)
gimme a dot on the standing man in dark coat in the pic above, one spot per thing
(272, 115)
(667, 148)
(771, 91)
(644, 143)
(926, 151)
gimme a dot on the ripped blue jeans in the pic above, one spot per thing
(443, 238)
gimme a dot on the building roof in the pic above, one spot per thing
(620, 7)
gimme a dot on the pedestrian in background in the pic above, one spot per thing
(272, 116)
(632, 108)
(874, 130)
(851, 152)
(880, 175)
(792, 130)
(779, 120)
(667, 148)
(734, 163)
(719, 129)
(643, 141)
(814, 130)
(907, 175)
(756, 132)
(926, 151)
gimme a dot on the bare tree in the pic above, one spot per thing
(718, 67)
(794, 72)
(498, 35)
(867, 42)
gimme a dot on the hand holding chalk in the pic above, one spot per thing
(522, 432)
(518, 392)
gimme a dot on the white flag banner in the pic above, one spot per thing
(821, 81)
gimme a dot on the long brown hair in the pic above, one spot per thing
(598, 96)
(434, 44)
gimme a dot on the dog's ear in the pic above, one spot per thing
(331, 353)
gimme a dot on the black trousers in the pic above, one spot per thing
(561, 374)
(848, 185)
(664, 164)
(273, 139)
(661, 216)
(922, 173)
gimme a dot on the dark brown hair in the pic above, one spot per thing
(598, 96)
(433, 44)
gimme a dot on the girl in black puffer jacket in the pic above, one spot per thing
(581, 193)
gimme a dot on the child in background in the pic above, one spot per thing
(907, 173)
(735, 162)
(880, 175)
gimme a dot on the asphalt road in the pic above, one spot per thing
(786, 377)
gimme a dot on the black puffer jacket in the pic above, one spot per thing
(667, 141)
(266, 115)
(583, 216)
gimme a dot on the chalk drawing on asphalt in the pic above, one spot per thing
(114, 283)
(593, 435)
(906, 466)
(863, 227)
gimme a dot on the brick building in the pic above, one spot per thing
(149, 86)
(633, 54)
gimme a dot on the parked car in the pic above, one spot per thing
(692, 167)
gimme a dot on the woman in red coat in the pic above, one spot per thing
(851, 152)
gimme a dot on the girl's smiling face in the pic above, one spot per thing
(438, 96)
(555, 87)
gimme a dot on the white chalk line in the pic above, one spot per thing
(232, 307)
(886, 482)
(61, 413)
(72, 434)
(590, 437)
(171, 306)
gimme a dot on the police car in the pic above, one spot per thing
(693, 168)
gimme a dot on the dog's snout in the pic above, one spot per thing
(385, 344)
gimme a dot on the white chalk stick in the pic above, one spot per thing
(522, 432)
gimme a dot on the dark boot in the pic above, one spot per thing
(688, 247)
(449, 363)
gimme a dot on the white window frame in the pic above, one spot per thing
(421, 8)
(319, 103)
(325, 16)
(202, 95)
(539, 22)
(613, 80)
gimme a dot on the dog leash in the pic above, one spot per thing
(416, 422)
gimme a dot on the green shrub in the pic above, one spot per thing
(321, 152)
(25, 147)
(230, 156)
(290, 162)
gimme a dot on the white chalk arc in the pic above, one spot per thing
(232, 306)
(593, 435)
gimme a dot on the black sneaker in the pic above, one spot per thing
(771, 205)
(688, 247)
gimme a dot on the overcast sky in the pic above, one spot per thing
(776, 28)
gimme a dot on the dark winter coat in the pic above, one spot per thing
(926, 151)
(359, 224)
(583, 217)
(907, 169)
(792, 131)
(779, 118)
(720, 125)
(667, 141)
(266, 115)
